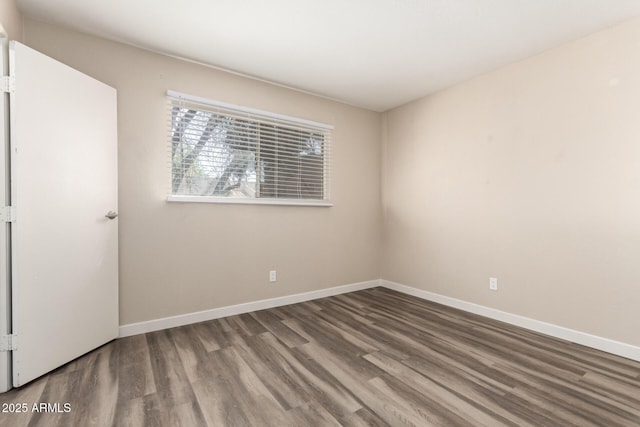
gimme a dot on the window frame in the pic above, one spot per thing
(175, 97)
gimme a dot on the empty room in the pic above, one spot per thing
(305, 213)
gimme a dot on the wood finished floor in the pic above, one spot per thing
(369, 358)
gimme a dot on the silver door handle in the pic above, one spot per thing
(111, 215)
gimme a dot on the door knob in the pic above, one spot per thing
(111, 215)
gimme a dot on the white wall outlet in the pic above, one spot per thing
(493, 283)
(272, 276)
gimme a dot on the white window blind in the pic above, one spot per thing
(227, 153)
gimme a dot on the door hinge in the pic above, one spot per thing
(8, 84)
(8, 342)
(7, 214)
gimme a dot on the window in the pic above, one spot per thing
(226, 153)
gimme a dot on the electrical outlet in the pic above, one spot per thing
(272, 276)
(493, 283)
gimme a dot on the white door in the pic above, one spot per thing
(63, 183)
(5, 312)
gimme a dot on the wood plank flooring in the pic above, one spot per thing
(369, 358)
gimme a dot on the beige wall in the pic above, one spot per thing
(179, 258)
(530, 174)
(11, 19)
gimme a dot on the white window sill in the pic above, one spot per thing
(238, 201)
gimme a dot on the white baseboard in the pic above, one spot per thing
(216, 313)
(610, 346)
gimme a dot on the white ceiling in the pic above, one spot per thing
(376, 54)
